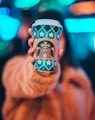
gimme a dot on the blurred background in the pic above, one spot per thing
(16, 16)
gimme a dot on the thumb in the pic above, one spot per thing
(30, 31)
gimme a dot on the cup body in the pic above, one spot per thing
(46, 34)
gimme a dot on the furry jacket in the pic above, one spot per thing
(30, 96)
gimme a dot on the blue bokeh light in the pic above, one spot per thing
(81, 34)
(80, 25)
(26, 3)
(4, 47)
(8, 27)
(0, 1)
(4, 11)
(91, 42)
(66, 2)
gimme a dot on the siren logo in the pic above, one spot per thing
(46, 50)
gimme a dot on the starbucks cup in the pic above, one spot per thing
(46, 34)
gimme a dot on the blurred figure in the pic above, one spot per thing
(31, 95)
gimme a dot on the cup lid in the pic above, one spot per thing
(47, 22)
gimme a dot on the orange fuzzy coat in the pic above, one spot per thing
(70, 100)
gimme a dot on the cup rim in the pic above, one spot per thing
(47, 22)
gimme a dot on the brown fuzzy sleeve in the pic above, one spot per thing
(77, 76)
(77, 95)
(22, 81)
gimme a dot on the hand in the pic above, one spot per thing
(31, 52)
(31, 49)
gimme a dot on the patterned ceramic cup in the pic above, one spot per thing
(46, 34)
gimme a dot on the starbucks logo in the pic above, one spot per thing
(45, 50)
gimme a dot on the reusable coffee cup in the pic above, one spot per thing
(46, 34)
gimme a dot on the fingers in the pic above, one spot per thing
(31, 50)
(32, 60)
(30, 42)
(31, 53)
(30, 31)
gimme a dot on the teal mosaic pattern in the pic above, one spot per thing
(47, 31)
(45, 49)
(45, 65)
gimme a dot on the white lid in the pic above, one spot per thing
(47, 22)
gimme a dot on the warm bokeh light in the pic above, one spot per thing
(26, 3)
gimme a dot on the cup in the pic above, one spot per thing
(46, 34)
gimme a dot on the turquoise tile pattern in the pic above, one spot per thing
(45, 48)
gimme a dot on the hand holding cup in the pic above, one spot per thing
(45, 45)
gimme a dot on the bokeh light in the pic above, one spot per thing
(91, 42)
(0, 1)
(81, 35)
(4, 47)
(8, 27)
(26, 3)
(51, 4)
(4, 10)
(80, 25)
(66, 2)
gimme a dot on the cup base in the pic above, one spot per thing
(44, 73)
